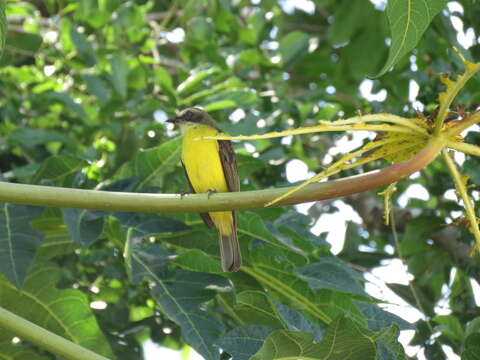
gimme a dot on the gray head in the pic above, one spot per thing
(193, 116)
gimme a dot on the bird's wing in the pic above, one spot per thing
(229, 164)
(205, 217)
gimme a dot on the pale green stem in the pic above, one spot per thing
(462, 125)
(394, 119)
(447, 97)
(462, 190)
(464, 147)
(45, 339)
(318, 128)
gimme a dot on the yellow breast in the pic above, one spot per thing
(201, 159)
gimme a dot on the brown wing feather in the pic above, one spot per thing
(229, 164)
(205, 217)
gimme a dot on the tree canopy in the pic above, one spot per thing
(86, 87)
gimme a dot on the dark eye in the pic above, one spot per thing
(190, 116)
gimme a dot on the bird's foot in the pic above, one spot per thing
(183, 193)
(210, 192)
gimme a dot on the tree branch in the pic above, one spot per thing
(44, 338)
(168, 203)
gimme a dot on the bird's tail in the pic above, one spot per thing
(230, 250)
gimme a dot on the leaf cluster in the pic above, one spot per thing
(86, 87)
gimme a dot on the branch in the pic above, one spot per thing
(44, 338)
(169, 203)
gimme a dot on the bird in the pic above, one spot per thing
(210, 166)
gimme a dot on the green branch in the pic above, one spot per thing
(169, 203)
(44, 338)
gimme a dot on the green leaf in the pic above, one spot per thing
(163, 78)
(181, 295)
(255, 307)
(294, 320)
(84, 226)
(201, 32)
(378, 319)
(369, 41)
(97, 87)
(344, 339)
(472, 347)
(279, 278)
(57, 167)
(416, 230)
(196, 77)
(388, 347)
(153, 164)
(229, 99)
(3, 27)
(24, 41)
(18, 241)
(149, 225)
(408, 20)
(57, 239)
(67, 101)
(197, 260)
(450, 326)
(292, 229)
(21, 351)
(119, 73)
(83, 46)
(473, 326)
(32, 137)
(148, 262)
(332, 274)
(64, 312)
(244, 341)
(293, 46)
(247, 165)
(348, 18)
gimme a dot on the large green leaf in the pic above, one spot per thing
(348, 18)
(83, 46)
(119, 73)
(378, 319)
(450, 326)
(294, 320)
(57, 241)
(154, 163)
(254, 307)
(181, 295)
(244, 341)
(408, 21)
(344, 339)
(197, 260)
(331, 273)
(31, 137)
(97, 87)
(274, 270)
(19, 351)
(57, 167)
(84, 226)
(64, 312)
(293, 46)
(18, 241)
(388, 347)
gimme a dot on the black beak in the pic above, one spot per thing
(173, 120)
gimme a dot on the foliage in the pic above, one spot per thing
(86, 88)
